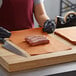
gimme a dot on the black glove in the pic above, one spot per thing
(4, 34)
(49, 26)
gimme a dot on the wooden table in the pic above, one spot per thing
(13, 62)
(42, 71)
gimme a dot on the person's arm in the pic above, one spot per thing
(40, 13)
(42, 18)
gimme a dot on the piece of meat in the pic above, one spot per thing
(37, 40)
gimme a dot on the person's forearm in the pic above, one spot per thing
(40, 14)
(41, 19)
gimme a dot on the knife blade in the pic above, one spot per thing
(13, 49)
(4, 35)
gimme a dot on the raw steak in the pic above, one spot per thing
(37, 40)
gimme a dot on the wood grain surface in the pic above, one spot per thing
(55, 53)
(68, 33)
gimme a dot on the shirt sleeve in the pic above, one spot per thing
(38, 1)
(1, 3)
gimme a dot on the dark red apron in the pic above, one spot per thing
(16, 14)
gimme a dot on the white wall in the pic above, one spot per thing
(52, 8)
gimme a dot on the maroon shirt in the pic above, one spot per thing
(16, 14)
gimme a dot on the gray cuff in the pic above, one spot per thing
(38, 1)
(1, 3)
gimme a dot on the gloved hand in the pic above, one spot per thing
(49, 26)
(4, 33)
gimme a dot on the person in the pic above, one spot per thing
(18, 15)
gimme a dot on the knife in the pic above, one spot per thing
(4, 34)
(13, 48)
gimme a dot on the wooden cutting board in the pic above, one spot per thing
(18, 38)
(68, 33)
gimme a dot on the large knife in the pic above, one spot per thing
(4, 34)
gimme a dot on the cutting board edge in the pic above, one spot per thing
(73, 42)
(39, 62)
